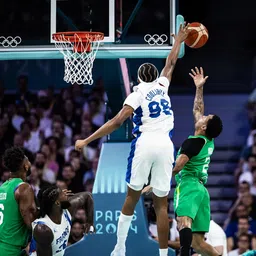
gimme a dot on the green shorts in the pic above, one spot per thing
(192, 199)
(10, 250)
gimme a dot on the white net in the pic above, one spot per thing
(77, 59)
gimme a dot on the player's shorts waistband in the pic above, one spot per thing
(191, 178)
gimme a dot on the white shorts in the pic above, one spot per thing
(150, 162)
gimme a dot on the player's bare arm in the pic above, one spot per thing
(179, 164)
(107, 128)
(173, 56)
(44, 237)
(26, 200)
(83, 200)
(199, 80)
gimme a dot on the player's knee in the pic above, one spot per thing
(183, 222)
(160, 193)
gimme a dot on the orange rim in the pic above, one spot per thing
(85, 36)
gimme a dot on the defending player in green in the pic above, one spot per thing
(191, 198)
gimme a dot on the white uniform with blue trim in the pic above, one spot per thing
(152, 152)
(60, 233)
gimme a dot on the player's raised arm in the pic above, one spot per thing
(83, 200)
(173, 56)
(199, 80)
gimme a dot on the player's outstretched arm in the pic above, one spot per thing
(199, 80)
(174, 54)
(107, 128)
(44, 237)
(27, 206)
(83, 200)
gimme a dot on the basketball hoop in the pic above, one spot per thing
(79, 50)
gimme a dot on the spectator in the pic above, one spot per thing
(18, 114)
(35, 121)
(88, 186)
(68, 175)
(91, 174)
(243, 228)
(243, 188)
(253, 186)
(5, 176)
(250, 203)
(40, 163)
(232, 223)
(248, 150)
(34, 180)
(243, 245)
(55, 148)
(3, 138)
(72, 147)
(61, 184)
(77, 231)
(97, 117)
(69, 116)
(246, 172)
(23, 94)
(32, 141)
(173, 240)
(86, 131)
(50, 164)
(18, 140)
(59, 130)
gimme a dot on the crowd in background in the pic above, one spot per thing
(240, 226)
(46, 126)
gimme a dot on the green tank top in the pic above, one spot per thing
(198, 165)
(13, 230)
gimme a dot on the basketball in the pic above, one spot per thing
(198, 35)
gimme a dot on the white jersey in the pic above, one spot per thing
(60, 232)
(152, 107)
(216, 237)
(152, 152)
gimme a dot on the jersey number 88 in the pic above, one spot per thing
(155, 108)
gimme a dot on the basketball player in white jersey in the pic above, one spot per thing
(52, 230)
(152, 151)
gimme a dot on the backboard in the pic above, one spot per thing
(125, 24)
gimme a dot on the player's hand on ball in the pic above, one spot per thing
(198, 77)
(183, 32)
(80, 144)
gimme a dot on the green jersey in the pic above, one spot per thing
(13, 230)
(198, 165)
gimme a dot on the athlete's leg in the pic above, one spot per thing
(161, 205)
(201, 246)
(184, 226)
(125, 219)
(187, 200)
(201, 225)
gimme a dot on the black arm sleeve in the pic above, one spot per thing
(192, 147)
